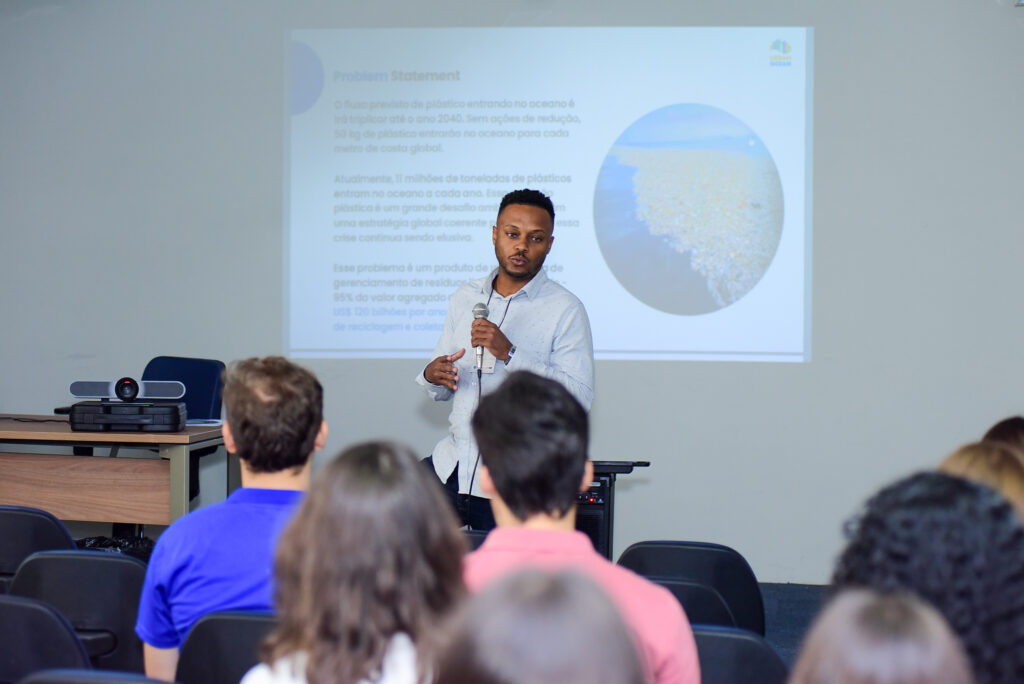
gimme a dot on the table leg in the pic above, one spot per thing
(178, 456)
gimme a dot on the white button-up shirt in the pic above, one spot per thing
(551, 332)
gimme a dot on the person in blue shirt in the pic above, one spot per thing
(221, 557)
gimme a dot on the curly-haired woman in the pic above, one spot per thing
(959, 546)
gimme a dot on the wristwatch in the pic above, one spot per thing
(511, 351)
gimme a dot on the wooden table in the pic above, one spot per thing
(132, 490)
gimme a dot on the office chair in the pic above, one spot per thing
(702, 604)
(714, 565)
(98, 592)
(67, 676)
(475, 538)
(203, 384)
(35, 637)
(201, 377)
(223, 646)
(729, 655)
(24, 531)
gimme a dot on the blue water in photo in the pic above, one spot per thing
(644, 264)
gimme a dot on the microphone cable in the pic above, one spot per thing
(479, 393)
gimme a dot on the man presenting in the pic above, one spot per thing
(527, 322)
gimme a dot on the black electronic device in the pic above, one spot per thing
(128, 416)
(595, 506)
(127, 389)
(594, 513)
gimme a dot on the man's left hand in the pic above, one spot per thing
(485, 334)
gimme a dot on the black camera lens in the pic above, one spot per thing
(126, 389)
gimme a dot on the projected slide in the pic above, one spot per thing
(677, 159)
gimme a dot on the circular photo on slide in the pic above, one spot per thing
(688, 209)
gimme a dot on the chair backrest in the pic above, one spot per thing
(475, 538)
(67, 676)
(98, 593)
(714, 565)
(729, 655)
(35, 636)
(702, 604)
(202, 379)
(24, 531)
(222, 646)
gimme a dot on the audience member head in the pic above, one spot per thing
(956, 544)
(533, 627)
(533, 437)
(996, 464)
(374, 551)
(533, 198)
(865, 637)
(1009, 431)
(274, 413)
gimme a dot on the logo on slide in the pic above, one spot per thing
(688, 209)
(779, 53)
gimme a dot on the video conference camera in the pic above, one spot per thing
(127, 389)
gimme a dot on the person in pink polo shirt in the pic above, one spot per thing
(533, 438)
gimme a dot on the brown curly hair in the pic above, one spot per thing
(958, 545)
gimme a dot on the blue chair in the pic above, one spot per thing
(729, 655)
(35, 637)
(23, 531)
(203, 380)
(714, 565)
(98, 592)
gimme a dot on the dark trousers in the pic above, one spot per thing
(473, 511)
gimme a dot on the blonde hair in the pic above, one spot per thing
(995, 464)
(867, 637)
(537, 627)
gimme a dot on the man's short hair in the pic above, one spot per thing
(275, 409)
(533, 198)
(533, 437)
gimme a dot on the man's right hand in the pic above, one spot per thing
(442, 370)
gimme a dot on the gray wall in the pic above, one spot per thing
(140, 214)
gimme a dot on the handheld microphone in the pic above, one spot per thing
(480, 311)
